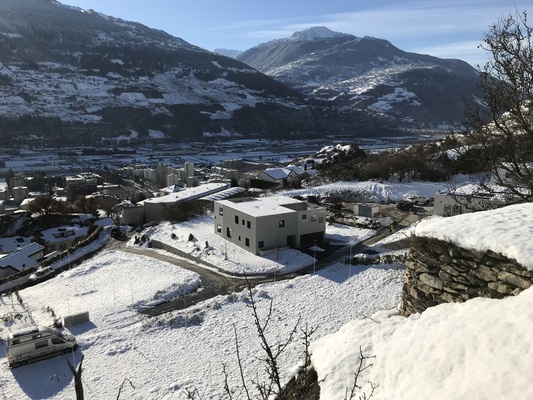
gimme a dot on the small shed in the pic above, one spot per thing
(366, 210)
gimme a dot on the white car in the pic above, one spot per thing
(41, 273)
(418, 200)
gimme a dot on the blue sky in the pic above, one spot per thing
(445, 28)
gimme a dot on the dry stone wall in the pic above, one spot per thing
(440, 272)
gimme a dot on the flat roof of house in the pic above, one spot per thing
(190, 193)
(262, 206)
(62, 233)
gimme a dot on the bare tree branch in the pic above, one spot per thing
(503, 128)
(122, 386)
(360, 369)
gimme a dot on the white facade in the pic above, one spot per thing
(260, 225)
(446, 205)
(150, 175)
(189, 169)
(173, 179)
(20, 193)
(282, 176)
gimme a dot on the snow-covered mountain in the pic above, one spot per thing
(364, 73)
(72, 76)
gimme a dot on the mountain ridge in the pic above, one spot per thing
(69, 75)
(370, 75)
(73, 76)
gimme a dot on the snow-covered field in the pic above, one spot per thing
(231, 258)
(478, 350)
(166, 356)
(374, 190)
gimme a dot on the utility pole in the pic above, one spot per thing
(314, 258)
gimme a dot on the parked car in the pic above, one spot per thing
(405, 205)
(37, 343)
(416, 200)
(41, 273)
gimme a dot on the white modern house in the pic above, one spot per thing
(155, 208)
(288, 176)
(462, 200)
(263, 225)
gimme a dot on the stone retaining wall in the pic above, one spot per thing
(440, 272)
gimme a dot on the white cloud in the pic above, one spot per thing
(467, 51)
(450, 30)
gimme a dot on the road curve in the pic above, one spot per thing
(214, 283)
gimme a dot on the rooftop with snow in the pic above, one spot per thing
(262, 206)
(505, 230)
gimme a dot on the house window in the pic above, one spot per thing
(243, 221)
(451, 209)
(282, 223)
(261, 244)
(248, 224)
(220, 210)
(236, 219)
(247, 242)
(228, 232)
(304, 217)
(219, 228)
(239, 238)
(313, 218)
(321, 220)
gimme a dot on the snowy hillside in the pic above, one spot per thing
(370, 74)
(74, 76)
(474, 350)
(168, 356)
(479, 349)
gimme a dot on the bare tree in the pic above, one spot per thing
(47, 206)
(86, 205)
(272, 387)
(78, 385)
(305, 385)
(503, 127)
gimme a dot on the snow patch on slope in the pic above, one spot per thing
(316, 32)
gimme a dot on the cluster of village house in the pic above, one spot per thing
(298, 223)
(259, 225)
